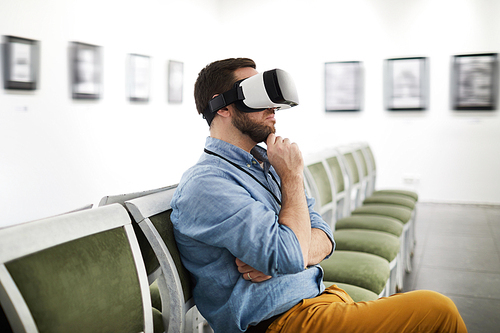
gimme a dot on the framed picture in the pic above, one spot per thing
(139, 77)
(406, 84)
(175, 81)
(474, 81)
(21, 63)
(86, 70)
(343, 86)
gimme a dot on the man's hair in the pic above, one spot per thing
(217, 78)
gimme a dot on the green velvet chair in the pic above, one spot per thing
(158, 283)
(359, 269)
(152, 214)
(77, 272)
(378, 243)
(318, 184)
(390, 196)
(343, 220)
(356, 190)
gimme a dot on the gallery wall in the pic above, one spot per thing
(446, 155)
(57, 154)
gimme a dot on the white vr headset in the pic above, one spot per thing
(270, 89)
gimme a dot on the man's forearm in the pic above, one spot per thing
(320, 247)
(295, 214)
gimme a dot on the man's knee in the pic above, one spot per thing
(443, 310)
(438, 301)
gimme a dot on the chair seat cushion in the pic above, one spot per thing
(371, 222)
(391, 199)
(358, 294)
(407, 193)
(375, 242)
(360, 269)
(401, 213)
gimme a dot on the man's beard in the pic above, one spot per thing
(257, 132)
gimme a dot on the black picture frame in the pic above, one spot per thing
(407, 84)
(343, 86)
(175, 81)
(86, 71)
(21, 63)
(474, 81)
(139, 77)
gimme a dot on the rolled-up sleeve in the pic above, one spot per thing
(318, 223)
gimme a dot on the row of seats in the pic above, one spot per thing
(373, 230)
(114, 268)
(117, 267)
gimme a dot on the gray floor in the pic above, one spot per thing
(458, 254)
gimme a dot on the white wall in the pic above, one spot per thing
(57, 154)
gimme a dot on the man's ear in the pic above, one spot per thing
(224, 112)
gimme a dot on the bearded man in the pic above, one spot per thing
(249, 236)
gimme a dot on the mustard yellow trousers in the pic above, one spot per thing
(335, 311)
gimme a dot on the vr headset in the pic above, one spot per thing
(270, 89)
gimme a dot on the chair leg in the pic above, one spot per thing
(414, 219)
(408, 241)
(394, 277)
(400, 271)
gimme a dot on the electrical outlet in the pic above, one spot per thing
(21, 108)
(411, 178)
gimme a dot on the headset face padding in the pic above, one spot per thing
(270, 89)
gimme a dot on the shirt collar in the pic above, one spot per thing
(236, 154)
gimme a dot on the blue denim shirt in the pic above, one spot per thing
(220, 213)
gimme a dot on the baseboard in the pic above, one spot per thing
(462, 203)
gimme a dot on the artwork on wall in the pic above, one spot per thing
(175, 81)
(343, 86)
(20, 63)
(406, 84)
(474, 81)
(86, 70)
(139, 73)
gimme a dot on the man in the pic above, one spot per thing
(248, 234)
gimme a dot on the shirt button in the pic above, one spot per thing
(253, 162)
(248, 165)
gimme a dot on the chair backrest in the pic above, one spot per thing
(372, 168)
(364, 171)
(348, 158)
(152, 214)
(319, 183)
(148, 255)
(121, 198)
(340, 179)
(77, 272)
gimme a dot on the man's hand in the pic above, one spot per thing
(249, 273)
(285, 157)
